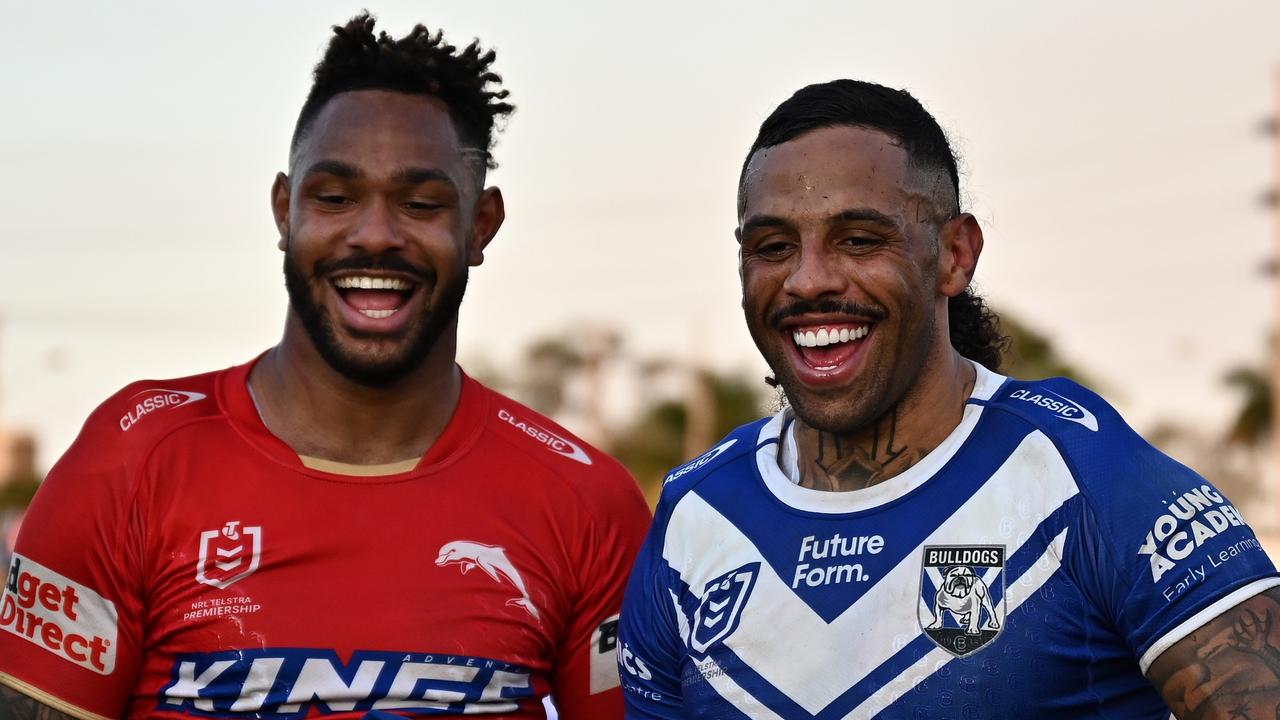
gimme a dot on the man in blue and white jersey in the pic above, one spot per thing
(914, 535)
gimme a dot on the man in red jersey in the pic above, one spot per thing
(348, 525)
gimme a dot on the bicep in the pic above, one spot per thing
(1229, 667)
(17, 706)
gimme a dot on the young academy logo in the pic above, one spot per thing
(228, 555)
(720, 611)
(962, 589)
(492, 559)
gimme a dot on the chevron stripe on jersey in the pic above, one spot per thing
(1007, 573)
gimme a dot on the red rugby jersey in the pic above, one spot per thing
(181, 560)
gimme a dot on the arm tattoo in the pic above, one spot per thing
(16, 706)
(1230, 668)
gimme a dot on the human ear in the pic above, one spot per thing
(959, 245)
(490, 212)
(280, 196)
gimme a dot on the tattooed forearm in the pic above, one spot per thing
(1230, 668)
(16, 706)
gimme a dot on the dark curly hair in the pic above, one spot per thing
(420, 63)
(974, 326)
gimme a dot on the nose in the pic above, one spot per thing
(815, 273)
(375, 229)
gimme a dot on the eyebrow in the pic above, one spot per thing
(758, 222)
(405, 176)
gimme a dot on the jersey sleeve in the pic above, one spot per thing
(650, 641)
(585, 678)
(70, 625)
(1161, 550)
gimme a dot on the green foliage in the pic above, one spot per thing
(18, 491)
(1032, 355)
(655, 442)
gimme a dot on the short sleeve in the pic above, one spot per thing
(585, 678)
(70, 614)
(650, 646)
(1162, 550)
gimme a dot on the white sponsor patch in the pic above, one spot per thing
(604, 656)
(59, 615)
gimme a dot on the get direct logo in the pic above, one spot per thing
(59, 615)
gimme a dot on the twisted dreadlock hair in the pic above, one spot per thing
(974, 326)
(420, 63)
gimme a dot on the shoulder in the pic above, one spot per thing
(545, 447)
(725, 461)
(1089, 433)
(131, 421)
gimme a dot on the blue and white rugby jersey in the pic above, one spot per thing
(1034, 564)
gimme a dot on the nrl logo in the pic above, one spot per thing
(962, 596)
(228, 555)
(718, 614)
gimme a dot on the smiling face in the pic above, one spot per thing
(380, 222)
(839, 263)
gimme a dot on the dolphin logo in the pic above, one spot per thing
(492, 559)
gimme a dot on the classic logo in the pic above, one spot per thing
(151, 400)
(720, 611)
(492, 559)
(554, 442)
(228, 555)
(1060, 405)
(957, 584)
(700, 461)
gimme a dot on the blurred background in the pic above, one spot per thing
(1122, 158)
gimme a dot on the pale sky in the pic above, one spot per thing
(1111, 151)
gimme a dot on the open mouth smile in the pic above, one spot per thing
(826, 352)
(373, 303)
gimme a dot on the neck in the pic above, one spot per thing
(916, 424)
(321, 413)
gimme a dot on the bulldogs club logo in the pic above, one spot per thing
(228, 555)
(718, 614)
(962, 596)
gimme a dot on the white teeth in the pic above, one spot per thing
(365, 282)
(824, 337)
(378, 314)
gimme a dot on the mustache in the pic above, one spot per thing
(364, 261)
(829, 306)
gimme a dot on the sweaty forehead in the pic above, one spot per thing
(831, 170)
(379, 131)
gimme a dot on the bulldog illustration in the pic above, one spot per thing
(965, 595)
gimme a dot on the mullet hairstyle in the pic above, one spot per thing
(420, 63)
(974, 326)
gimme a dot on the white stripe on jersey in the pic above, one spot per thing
(1015, 594)
(1003, 510)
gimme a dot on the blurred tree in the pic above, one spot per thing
(658, 439)
(1251, 426)
(17, 492)
(1032, 355)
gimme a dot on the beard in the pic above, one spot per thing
(371, 369)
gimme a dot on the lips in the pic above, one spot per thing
(826, 352)
(375, 303)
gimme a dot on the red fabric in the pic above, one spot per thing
(497, 562)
